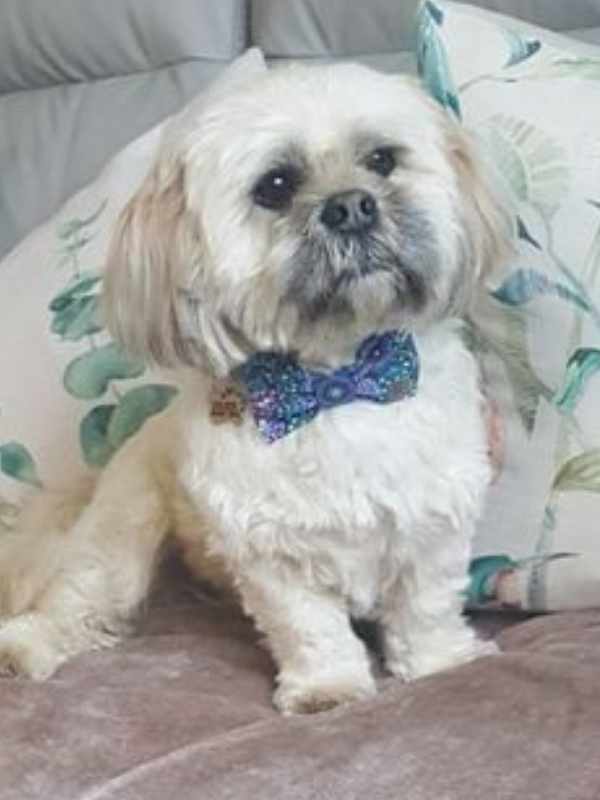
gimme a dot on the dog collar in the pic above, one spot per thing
(282, 395)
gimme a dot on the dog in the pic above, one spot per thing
(302, 253)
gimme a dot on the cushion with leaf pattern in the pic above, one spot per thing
(533, 101)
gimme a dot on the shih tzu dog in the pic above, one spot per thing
(303, 252)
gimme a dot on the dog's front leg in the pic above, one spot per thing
(321, 663)
(69, 591)
(424, 630)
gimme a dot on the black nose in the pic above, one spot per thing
(350, 212)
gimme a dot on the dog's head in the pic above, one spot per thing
(301, 209)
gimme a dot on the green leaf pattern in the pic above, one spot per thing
(106, 427)
(17, 462)
(524, 285)
(533, 165)
(520, 49)
(432, 60)
(566, 68)
(99, 369)
(536, 171)
(580, 473)
(94, 373)
(88, 376)
(581, 366)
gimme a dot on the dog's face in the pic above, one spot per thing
(301, 210)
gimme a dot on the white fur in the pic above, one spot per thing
(368, 510)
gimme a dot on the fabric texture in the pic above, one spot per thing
(308, 28)
(559, 16)
(183, 710)
(44, 44)
(538, 544)
(589, 35)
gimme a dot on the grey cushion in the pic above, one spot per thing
(559, 15)
(45, 43)
(309, 28)
(589, 35)
(81, 79)
(402, 61)
(54, 141)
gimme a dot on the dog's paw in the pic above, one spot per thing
(427, 662)
(314, 696)
(26, 655)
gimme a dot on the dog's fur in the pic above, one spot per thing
(367, 511)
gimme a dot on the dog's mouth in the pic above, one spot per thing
(389, 266)
(336, 278)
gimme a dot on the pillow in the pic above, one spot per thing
(560, 16)
(533, 101)
(378, 33)
(68, 397)
(309, 28)
(67, 41)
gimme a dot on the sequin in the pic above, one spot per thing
(283, 395)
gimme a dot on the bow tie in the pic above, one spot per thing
(283, 395)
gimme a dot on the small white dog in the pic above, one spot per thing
(303, 251)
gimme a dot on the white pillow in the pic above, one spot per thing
(534, 102)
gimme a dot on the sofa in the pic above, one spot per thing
(183, 708)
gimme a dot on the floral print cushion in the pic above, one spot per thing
(535, 108)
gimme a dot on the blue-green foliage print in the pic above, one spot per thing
(488, 573)
(581, 366)
(520, 49)
(537, 172)
(94, 374)
(432, 61)
(527, 284)
(17, 462)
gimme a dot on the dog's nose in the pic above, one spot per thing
(354, 211)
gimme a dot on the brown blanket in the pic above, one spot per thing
(182, 712)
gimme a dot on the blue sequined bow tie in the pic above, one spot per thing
(283, 395)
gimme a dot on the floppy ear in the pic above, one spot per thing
(487, 221)
(154, 249)
(243, 70)
(158, 302)
(156, 298)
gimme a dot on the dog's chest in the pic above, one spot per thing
(356, 481)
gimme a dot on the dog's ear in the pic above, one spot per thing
(155, 246)
(156, 299)
(243, 70)
(158, 302)
(487, 221)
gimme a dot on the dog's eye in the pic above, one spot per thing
(276, 189)
(383, 161)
